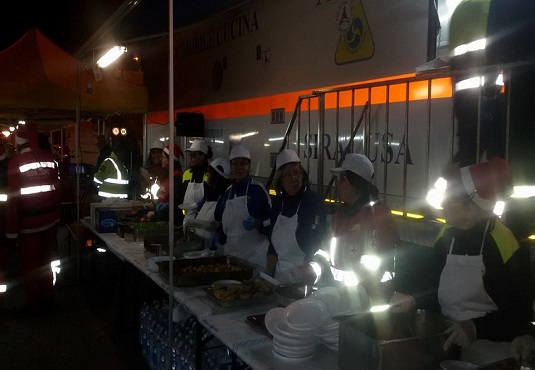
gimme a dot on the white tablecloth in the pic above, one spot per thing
(251, 344)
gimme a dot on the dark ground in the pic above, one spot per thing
(93, 324)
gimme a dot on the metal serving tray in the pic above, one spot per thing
(206, 270)
(388, 341)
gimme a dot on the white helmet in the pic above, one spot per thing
(221, 166)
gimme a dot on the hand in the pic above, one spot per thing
(162, 207)
(400, 302)
(249, 223)
(523, 349)
(461, 333)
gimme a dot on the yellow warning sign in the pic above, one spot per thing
(356, 41)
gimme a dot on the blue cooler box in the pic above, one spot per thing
(106, 221)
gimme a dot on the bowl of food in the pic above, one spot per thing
(289, 293)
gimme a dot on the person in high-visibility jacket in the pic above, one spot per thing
(33, 206)
(510, 30)
(112, 177)
(359, 250)
(195, 178)
(480, 132)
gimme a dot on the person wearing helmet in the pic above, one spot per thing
(478, 273)
(298, 218)
(218, 182)
(243, 213)
(363, 234)
(33, 205)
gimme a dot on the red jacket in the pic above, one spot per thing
(34, 196)
(376, 217)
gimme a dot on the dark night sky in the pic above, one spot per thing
(22, 16)
(69, 23)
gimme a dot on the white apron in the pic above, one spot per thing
(206, 213)
(285, 243)
(194, 194)
(461, 293)
(251, 246)
(462, 296)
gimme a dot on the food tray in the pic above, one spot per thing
(141, 229)
(253, 291)
(206, 270)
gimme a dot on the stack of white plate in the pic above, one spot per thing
(327, 333)
(293, 328)
(339, 301)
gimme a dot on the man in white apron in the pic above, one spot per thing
(482, 274)
(298, 218)
(194, 178)
(243, 211)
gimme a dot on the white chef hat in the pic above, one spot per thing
(198, 146)
(286, 156)
(239, 151)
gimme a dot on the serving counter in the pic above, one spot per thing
(228, 324)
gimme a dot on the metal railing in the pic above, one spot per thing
(310, 118)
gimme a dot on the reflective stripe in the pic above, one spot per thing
(36, 165)
(37, 189)
(3, 197)
(105, 194)
(116, 181)
(476, 45)
(117, 170)
(98, 181)
(470, 83)
(3, 288)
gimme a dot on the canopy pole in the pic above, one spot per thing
(171, 178)
(77, 138)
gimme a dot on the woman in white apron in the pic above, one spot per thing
(483, 274)
(298, 219)
(243, 212)
(194, 179)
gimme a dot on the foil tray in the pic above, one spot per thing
(206, 270)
